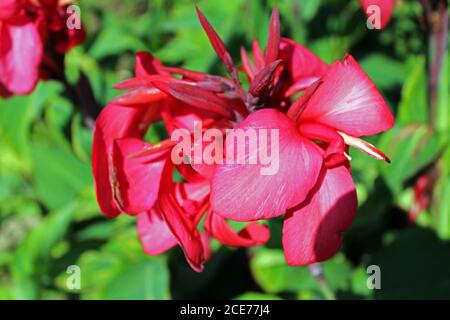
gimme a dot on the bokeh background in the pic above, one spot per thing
(49, 218)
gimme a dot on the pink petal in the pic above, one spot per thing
(386, 8)
(138, 178)
(254, 234)
(20, 56)
(312, 232)
(240, 192)
(348, 101)
(155, 235)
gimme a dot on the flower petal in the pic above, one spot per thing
(20, 56)
(312, 232)
(114, 122)
(247, 192)
(147, 65)
(155, 235)
(138, 178)
(303, 65)
(254, 234)
(218, 45)
(184, 230)
(9, 8)
(348, 101)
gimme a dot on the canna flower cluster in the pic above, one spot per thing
(320, 110)
(33, 40)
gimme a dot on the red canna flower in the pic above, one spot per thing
(337, 105)
(33, 40)
(381, 9)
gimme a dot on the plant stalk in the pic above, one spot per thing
(316, 271)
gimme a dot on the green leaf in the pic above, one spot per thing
(32, 257)
(58, 175)
(413, 107)
(145, 280)
(120, 269)
(384, 80)
(410, 149)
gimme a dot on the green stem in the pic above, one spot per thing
(317, 272)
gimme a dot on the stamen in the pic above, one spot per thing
(364, 146)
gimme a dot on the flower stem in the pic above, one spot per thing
(316, 271)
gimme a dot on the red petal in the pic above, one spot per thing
(9, 8)
(218, 45)
(196, 97)
(263, 78)
(335, 149)
(147, 65)
(114, 122)
(138, 178)
(249, 68)
(313, 231)
(273, 42)
(257, 55)
(184, 231)
(254, 234)
(155, 235)
(140, 96)
(240, 191)
(386, 8)
(21, 54)
(302, 64)
(348, 101)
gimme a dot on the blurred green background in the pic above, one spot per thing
(49, 218)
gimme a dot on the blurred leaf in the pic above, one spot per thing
(359, 283)
(410, 149)
(413, 107)
(274, 275)
(120, 270)
(256, 296)
(115, 38)
(145, 280)
(58, 174)
(372, 65)
(30, 265)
